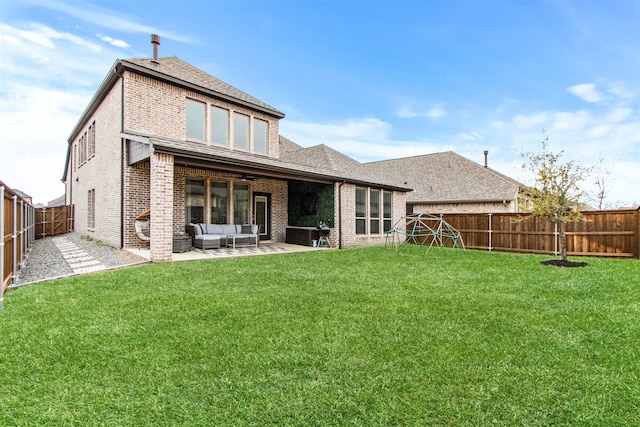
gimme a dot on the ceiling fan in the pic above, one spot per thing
(244, 177)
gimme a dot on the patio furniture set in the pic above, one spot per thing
(214, 236)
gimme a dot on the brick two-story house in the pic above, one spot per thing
(162, 134)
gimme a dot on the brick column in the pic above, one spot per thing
(161, 207)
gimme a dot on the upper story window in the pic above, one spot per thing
(240, 131)
(85, 148)
(225, 127)
(91, 140)
(195, 119)
(219, 126)
(260, 136)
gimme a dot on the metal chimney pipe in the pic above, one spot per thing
(486, 153)
(155, 41)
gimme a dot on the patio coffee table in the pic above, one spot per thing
(238, 240)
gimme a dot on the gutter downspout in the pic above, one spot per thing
(340, 214)
(122, 159)
(2, 248)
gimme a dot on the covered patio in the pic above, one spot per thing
(265, 248)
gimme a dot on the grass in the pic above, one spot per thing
(362, 337)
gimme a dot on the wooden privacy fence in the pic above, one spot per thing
(614, 233)
(21, 223)
(54, 221)
(17, 218)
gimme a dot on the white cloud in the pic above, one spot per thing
(115, 42)
(587, 92)
(97, 15)
(535, 120)
(569, 121)
(470, 136)
(366, 128)
(433, 113)
(36, 123)
(364, 139)
(618, 114)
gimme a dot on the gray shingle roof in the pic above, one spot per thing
(321, 156)
(175, 68)
(445, 177)
(286, 167)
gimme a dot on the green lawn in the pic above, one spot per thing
(362, 337)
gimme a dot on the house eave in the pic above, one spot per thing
(259, 166)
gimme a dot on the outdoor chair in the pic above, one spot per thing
(143, 232)
(143, 228)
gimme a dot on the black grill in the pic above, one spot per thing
(323, 229)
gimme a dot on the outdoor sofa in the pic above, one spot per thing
(214, 236)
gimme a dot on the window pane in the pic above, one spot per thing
(219, 197)
(386, 211)
(374, 203)
(219, 126)
(361, 211)
(195, 201)
(195, 120)
(361, 202)
(260, 136)
(91, 209)
(387, 204)
(240, 203)
(374, 211)
(240, 131)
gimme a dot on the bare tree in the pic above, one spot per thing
(601, 183)
(556, 193)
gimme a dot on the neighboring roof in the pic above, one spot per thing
(287, 145)
(21, 194)
(326, 158)
(445, 177)
(321, 156)
(58, 201)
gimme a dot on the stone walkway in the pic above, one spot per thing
(72, 254)
(78, 260)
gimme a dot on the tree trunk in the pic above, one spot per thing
(563, 241)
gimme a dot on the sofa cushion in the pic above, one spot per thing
(207, 237)
(229, 229)
(196, 229)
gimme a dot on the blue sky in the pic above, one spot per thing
(372, 79)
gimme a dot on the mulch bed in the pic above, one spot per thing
(561, 263)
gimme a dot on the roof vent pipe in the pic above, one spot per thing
(155, 41)
(486, 153)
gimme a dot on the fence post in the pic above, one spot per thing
(21, 236)
(2, 246)
(637, 231)
(490, 233)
